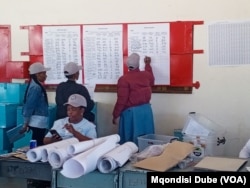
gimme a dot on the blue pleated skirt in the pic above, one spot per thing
(136, 121)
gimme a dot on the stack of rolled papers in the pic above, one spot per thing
(41, 153)
(80, 147)
(58, 156)
(86, 161)
(79, 158)
(116, 157)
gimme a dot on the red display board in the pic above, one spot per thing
(181, 56)
(5, 51)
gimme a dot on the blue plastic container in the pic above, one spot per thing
(4, 141)
(12, 92)
(8, 115)
(19, 116)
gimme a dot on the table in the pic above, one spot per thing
(18, 171)
(130, 177)
(15, 173)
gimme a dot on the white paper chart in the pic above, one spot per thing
(61, 45)
(103, 53)
(152, 40)
(229, 43)
(102, 50)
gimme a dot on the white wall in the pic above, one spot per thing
(224, 92)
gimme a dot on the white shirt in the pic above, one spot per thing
(39, 121)
(245, 151)
(85, 127)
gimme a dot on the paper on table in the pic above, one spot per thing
(116, 157)
(85, 145)
(86, 162)
(173, 153)
(220, 163)
(41, 153)
(35, 154)
(51, 147)
(58, 156)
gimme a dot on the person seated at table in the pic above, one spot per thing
(75, 125)
(245, 151)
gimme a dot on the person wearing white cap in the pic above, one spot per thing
(35, 107)
(132, 110)
(245, 151)
(69, 87)
(74, 125)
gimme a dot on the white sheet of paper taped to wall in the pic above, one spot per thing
(86, 162)
(116, 157)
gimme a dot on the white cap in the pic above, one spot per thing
(37, 67)
(133, 61)
(71, 68)
(76, 100)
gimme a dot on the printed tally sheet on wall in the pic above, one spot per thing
(152, 40)
(101, 50)
(103, 53)
(61, 44)
(79, 158)
(229, 43)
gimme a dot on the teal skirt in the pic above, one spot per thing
(136, 121)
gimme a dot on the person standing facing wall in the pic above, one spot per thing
(36, 108)
(133, 109)
(69, 87)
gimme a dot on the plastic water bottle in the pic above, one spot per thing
(185, 162)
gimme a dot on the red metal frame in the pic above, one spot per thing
(181, 51)
(5, 51)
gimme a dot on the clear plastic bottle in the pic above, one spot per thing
(185, 162)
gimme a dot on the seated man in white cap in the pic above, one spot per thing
(245, 151)
(133, 110)
(75, 125)
(69, 87)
